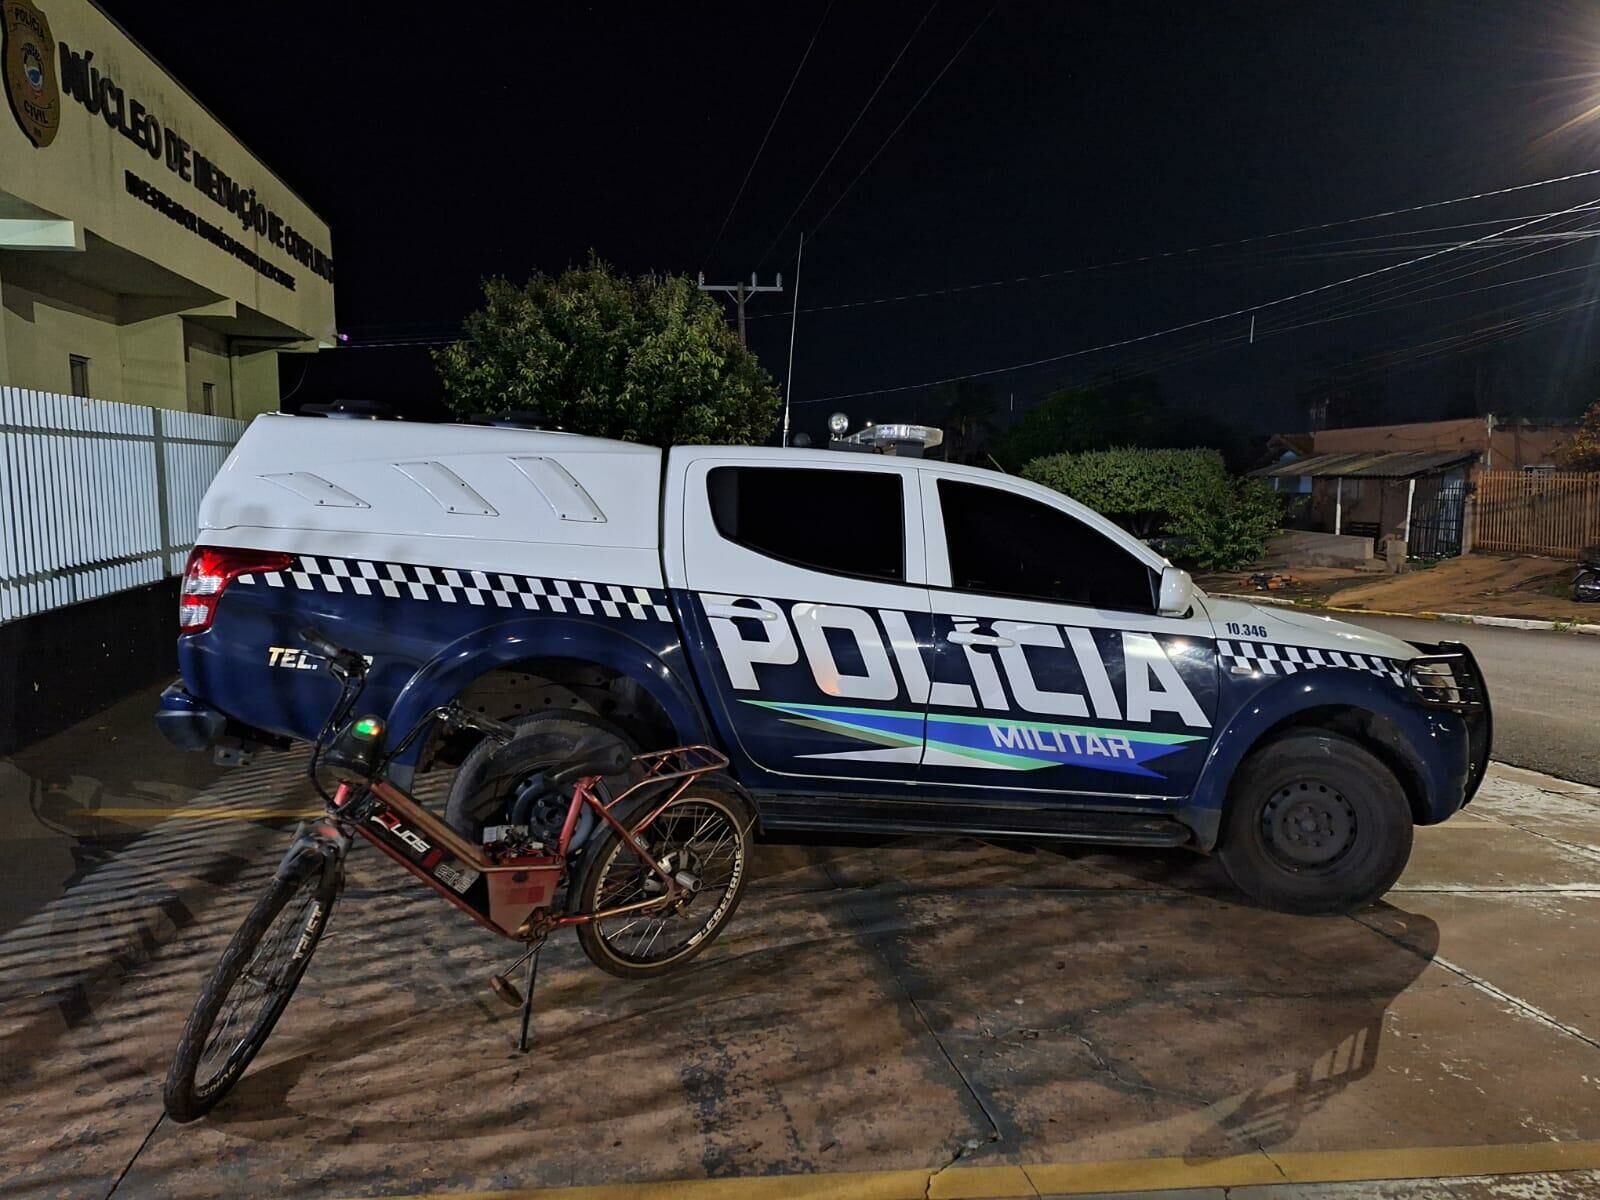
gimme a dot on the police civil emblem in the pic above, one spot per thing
(28, 69)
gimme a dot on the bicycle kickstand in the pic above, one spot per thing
(527, 996)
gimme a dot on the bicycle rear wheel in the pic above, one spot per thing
(702, 838)
(249, 989)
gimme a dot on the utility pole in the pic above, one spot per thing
(740, 293)
(794, 319)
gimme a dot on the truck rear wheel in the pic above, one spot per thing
(1315, 824)
(486, 782)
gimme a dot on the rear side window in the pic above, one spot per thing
(1003, 544)
(842, 522)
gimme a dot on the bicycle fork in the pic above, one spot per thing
(315, 843)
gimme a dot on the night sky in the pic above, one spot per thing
(448, 142)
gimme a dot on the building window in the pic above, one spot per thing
(208, 399)
(79, 366)
(841, 522)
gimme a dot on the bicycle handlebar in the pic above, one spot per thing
(320, 644)
(344, 664)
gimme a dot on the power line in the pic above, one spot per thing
(419, 334)
(885, 144)
(1191, 251)
(768, 251)
(1235, 313)
(1208, 246)
(1401, 356)
(1476, 262)
(1201, 349)
(771, 125)
(1215, 344)
(1205, 347)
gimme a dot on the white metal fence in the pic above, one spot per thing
(95, 496)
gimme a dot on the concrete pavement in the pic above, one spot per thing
(952, 1019)
(1544, 685)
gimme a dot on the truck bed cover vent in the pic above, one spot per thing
(316, 489)
(449, 491)
(560, 490)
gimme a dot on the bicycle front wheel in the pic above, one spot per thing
(249, 989)
(703, 839)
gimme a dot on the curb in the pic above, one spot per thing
(1516, 623)
(1453, 618)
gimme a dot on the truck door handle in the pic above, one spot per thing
(961, 637)
(737, 610)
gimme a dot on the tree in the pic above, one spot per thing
(647, 359)
(1581, 451)
(1091, 416)
(966, 414)
(1216, 522)
(1114, 412)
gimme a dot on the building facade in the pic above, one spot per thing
(146, 256)
(1413, 482)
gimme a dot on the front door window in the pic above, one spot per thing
(1054, 673)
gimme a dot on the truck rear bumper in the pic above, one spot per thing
(188, 723)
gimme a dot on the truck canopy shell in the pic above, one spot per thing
(506, 499)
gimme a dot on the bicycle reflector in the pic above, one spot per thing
(211, 569)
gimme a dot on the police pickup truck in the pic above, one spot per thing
(879, 645)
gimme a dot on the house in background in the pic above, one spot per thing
(1280, 450)
(1412, 482)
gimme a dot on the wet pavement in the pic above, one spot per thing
(956, 1019)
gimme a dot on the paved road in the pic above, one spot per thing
(1545, 688)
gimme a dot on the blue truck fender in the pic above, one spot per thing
(1437, 778)
(489, 647)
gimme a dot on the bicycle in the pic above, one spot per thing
(666, 858)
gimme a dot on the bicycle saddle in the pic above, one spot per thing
(601, 755)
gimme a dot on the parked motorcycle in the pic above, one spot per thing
(1586, 583)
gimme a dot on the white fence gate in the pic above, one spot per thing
(96, 497)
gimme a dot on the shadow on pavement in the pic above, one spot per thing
(876, 1004)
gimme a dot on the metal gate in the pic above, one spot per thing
(1438, 511)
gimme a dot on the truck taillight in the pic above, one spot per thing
(210, 570)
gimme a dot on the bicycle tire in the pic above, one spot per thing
(187, 1099)
(607, 848)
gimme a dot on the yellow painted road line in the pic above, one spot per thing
(1076, 1179)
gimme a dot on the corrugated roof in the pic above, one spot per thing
(1386, 464)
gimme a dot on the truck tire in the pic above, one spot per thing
(484, 782)
(1315, 824)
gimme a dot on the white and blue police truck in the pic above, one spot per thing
(879, 644)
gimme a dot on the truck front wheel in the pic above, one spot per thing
(1315, 824)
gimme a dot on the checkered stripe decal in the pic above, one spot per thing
(1264, 658)
(400, 581)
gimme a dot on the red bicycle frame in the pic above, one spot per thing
(513, 893)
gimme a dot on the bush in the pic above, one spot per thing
(1232, 530)
(1216, 522)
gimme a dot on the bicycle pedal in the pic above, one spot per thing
(506, 990)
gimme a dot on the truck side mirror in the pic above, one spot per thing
(1177, 593)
